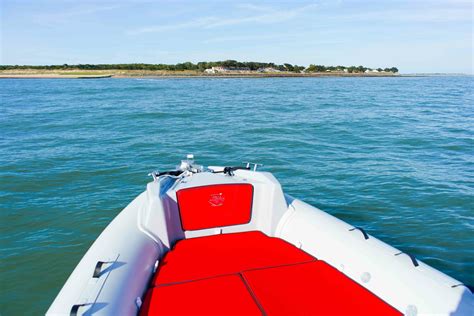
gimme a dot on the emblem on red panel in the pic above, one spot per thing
(216, 199)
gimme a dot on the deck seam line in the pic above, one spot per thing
(252, 294)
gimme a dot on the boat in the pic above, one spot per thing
(94, 77)
(228, 241)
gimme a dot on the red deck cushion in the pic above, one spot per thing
(313, 288)
(253, 274)
(227, 295)
(215, 205)
(204, 257)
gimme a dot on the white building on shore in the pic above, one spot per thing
(220, 69)
(268, 69)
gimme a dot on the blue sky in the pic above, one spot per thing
(413, 35)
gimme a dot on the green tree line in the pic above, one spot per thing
(350, 69)
(200, 66)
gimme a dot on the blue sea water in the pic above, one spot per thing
(392, 155)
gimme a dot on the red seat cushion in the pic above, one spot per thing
(227, 295)
(204, 257)
(313, 288)
(215, 205)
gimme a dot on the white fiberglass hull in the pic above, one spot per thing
(113, 275)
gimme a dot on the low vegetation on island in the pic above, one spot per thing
(217, 68)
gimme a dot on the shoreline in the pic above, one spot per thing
(177, 75)
(54, 76)
(130, 74)
(147, 74)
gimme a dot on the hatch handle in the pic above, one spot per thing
(412, 258)
(98, 268)
(366, 236)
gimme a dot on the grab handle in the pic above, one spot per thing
(75, 309)
(412, 258)
(366, 236)
(98, 268)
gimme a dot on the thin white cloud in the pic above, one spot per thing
(412, 11)
(77, 11)
(244, 38)
(428, 15)
(201, 22)
(287, 37)
(254, 7)
(273, 16)
(89, 9)
(270, 17)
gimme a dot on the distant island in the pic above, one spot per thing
(227, 68)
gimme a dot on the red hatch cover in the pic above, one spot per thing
(313, 288)
(204, 257)
(215, 205)
(225, 295)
